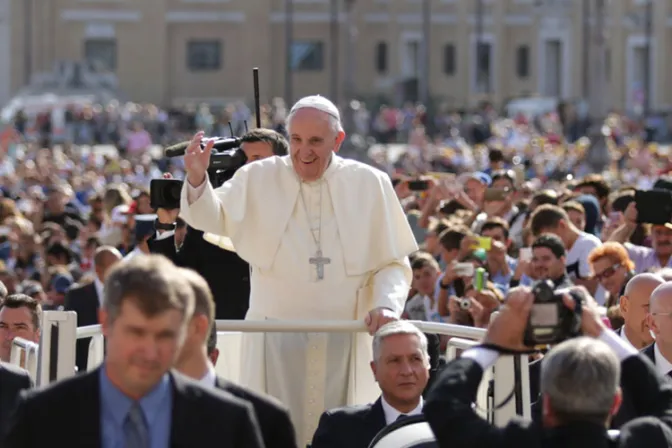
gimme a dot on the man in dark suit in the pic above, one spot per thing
(199, 355)
(579, 386)
(227, 274)
(86, 300)
(12, 381)
(134, 398)
(401, 367)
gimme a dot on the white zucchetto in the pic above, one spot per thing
(317, 102)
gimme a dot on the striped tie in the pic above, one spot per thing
(136, 434)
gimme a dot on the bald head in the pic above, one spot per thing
(646, 281)
(104, 258)
(661, 297)
(634, 307)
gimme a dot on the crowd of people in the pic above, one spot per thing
(484, 207)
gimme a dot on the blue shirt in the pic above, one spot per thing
(114, 406)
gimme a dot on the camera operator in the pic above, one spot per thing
(226, 273)
(579, 382)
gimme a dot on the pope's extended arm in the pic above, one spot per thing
(219, 211)
(391, 285)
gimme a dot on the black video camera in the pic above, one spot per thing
(550, 321)
(226, 157)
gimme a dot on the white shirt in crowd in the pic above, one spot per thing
(577, 256)
(624, 336)
(210, 378)
(663, 365)
(391, 414)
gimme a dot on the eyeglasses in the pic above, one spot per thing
(668, 314)
(607, 273)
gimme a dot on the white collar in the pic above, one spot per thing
(391, 414)
(624, 336)
(210, 377)
(663, 365)
(99, 289)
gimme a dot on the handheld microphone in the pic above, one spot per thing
(221, 144)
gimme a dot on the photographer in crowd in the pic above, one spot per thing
(579, 384)
(227, 274)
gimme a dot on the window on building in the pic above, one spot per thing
(523, 61)
(204, 55)
(307, 56)
(101, 53)
(449, 59)
(381, 57)
(483, 67)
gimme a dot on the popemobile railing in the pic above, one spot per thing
(507, 382)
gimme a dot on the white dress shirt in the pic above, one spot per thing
(210, 377)
(99, 289)
(391, 414)
(487, 358)
(624, 336)
(663, 365)
(133, 253)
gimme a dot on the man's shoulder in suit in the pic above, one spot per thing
(253, 397)
(353, 410)
(72, 388)
(12, 371)
(273, 417)
(193, 390)
(196, 405)
(80, 292)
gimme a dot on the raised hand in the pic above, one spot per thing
(197, 160)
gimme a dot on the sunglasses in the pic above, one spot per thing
(607, 273)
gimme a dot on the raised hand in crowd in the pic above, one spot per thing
(197, 160)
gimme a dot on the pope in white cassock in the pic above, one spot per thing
(326, 239)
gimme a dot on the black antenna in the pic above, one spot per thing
(257, 105)
(245, 123)
(231, 129)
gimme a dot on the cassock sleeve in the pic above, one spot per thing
(219, 211)
(391, 285)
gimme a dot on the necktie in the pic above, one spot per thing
(401, 417)
(136, 434)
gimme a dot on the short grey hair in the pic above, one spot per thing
(334, 123)
(394, 328)
(153, 283)
(581, 377)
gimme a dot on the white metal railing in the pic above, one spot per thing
(497, 384)
(96, 346)
(25, 353)
(57, 336)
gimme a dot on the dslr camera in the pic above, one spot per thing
(550, 321)
(226, 157)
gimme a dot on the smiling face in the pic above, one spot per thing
(313, 137)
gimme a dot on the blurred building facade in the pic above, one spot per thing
(172, 52)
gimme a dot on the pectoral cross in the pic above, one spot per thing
(319, 261)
